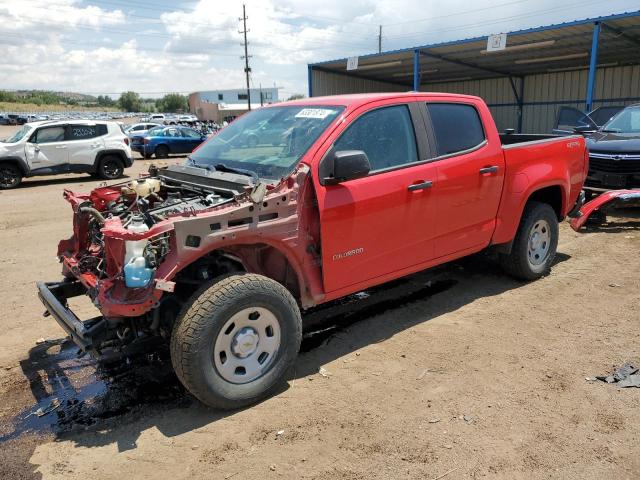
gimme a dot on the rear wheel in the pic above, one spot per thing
(535, 244)
(234, 343)
(111, 167)
(162, 151)
(10, 176)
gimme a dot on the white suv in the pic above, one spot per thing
(54, 147)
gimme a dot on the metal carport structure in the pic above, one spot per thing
(584, 64)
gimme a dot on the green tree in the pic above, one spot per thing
(296, 96)
(105, 101)
(172, 102)
(130, 102)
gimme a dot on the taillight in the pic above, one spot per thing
(126, 140)
(145, 141)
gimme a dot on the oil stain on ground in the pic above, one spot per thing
(75, 393)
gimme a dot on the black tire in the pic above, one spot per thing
(110, 168)
(527, 263)
(162, 151)
(10, 176)
(200, 326)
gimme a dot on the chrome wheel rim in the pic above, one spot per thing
(247, 345)
(539, 242)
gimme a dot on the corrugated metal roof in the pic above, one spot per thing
(563, 46)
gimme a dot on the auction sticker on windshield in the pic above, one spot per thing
(319, 113)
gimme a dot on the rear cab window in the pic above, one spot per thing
(385, 134)
(456, 126)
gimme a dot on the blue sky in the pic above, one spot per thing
(158, 46)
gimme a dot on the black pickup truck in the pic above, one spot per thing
(614, 149)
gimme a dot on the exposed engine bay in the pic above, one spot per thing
(140, 249)
(139, 205)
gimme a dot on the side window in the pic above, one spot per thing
(48, 134)
(82, 132)
(386, 135)
(457, 127)
(172, 132)
(188, 133)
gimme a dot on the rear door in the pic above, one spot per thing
(84, 142)
(47, 149)
(470, 173)
(174, 139)
(382, 223)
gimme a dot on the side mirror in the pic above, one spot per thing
(344, 165)
(584, 129)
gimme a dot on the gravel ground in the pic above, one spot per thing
(463, 373)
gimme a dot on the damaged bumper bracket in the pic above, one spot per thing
(54, 296)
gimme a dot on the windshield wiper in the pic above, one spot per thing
(221, 167)
(199, 165)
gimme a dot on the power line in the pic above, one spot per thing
(247, 70)
(496, 21)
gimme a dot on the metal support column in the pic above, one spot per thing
(416, 70)
(310, 79)
(591, 83)
(521, 105)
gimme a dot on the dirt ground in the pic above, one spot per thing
(459, 373)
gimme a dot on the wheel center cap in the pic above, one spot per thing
(245, 342)
(535, 241)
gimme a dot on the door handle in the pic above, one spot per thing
(420, 186)
(491, 169)
(61, 147)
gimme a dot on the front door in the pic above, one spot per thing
(191, 139)
(383, 223)
(47, 148)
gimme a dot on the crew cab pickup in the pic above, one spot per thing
(219, 256)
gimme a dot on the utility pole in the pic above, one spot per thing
(246, 57)
(261, 97)
(380, 40)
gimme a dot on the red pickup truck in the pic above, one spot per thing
(296, 204)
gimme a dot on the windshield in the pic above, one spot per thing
(627, 121)
(19, 135)
(268, 142)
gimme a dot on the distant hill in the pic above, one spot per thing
(47, 97)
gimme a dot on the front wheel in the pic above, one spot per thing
(233, 344)
(10, 176)
(535, 244)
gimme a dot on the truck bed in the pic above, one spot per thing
(516, 138)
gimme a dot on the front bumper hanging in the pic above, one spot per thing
(54, 296)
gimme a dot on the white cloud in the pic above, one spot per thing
(73, 45)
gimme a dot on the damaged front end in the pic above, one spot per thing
(596, 210)
(125, 257)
